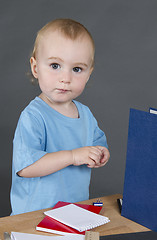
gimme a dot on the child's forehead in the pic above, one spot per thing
(55, 43)
(54, 35)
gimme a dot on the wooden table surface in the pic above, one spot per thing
(27, 222)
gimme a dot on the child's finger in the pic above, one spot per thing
(95, 154)
(91, 164)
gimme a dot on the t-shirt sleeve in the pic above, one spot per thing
(29, 141)
(99, 136)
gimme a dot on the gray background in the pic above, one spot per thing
(125, 75)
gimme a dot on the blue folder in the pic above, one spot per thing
(140, 182)
(132, 236)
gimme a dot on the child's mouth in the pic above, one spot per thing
(62, 90)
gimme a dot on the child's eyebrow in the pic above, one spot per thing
(81, 64)
(55, 58)
(75, 64)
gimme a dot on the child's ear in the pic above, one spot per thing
(33, 64)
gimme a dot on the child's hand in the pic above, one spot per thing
(92, 156)
(105, 155)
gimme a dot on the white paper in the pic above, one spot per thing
(27, 236)
(153, 111)
(77, 217)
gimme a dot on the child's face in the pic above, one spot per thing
(62, 66)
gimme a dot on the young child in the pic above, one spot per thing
(57, 140)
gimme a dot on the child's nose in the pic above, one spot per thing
(66, 77)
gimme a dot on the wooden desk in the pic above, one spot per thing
(27, 222)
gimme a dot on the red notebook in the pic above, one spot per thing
(51, 225)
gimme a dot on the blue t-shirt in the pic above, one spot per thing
(42, 130)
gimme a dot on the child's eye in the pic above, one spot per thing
(77, 69)
(55, 65)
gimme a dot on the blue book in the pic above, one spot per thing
(149, 235)
(140, 183)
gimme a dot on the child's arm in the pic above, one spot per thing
(53, 162)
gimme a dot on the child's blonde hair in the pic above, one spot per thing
(68, 27)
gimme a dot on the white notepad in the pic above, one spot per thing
(26, 236)
(77, 217)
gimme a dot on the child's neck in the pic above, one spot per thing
(68, 109)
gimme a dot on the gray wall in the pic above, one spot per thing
(125, 75)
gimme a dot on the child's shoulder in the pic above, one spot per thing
(82, 107)
(34, 106)
(35, 109)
